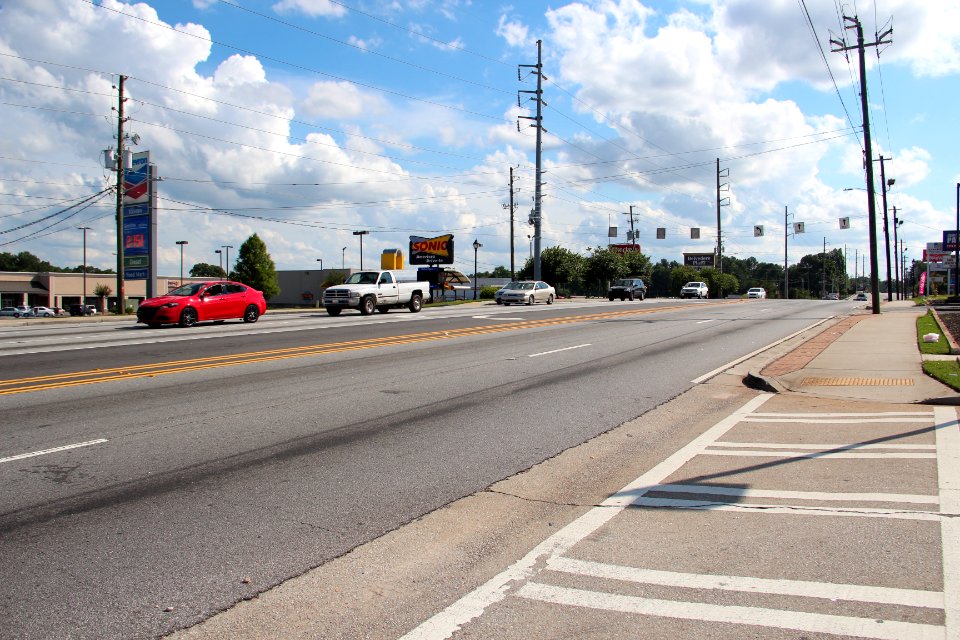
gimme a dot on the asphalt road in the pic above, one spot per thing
(225, 459)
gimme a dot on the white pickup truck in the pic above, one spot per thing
(376, 290)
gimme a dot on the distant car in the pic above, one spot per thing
(832, 296)
(17, 312)
(631, 288)
(694, 290)
(83, 310)
(527, 292)
(43, 312)
(217, 300)
(757, 292)
(861, 296)
(498, 296)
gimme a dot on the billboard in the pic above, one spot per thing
(431, 251)
(140, 222)
(699, 260)
(949, 240)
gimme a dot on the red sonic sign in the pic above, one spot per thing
(431, 251)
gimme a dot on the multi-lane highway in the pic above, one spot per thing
(150, 478)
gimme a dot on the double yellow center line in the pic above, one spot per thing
(96, 376)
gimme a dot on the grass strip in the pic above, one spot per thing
(928, 324)
(946, 371)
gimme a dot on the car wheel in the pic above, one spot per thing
(188, 317)
(333, 311)
(642, 295)
(383, 309)
(611, 298)
(252, 314)
(416, 303)
(367, 305)
(530, 301)
(631, 296)
(499, 301)
(550, 299)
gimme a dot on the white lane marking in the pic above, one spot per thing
(948, 478)
(820, 454)
(445, 623)
(797, 495)
(54, 450)
(822, 447)
(906, 414)
(734, 363)
(547, 353)
(497, 318)
(753, 616)
(802, 588)
(835, 420)
(706, 321)
(786, 509)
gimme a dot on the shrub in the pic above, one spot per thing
(487, 291)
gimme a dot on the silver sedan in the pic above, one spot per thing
(527, 292)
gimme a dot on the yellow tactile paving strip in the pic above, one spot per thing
(850, 381)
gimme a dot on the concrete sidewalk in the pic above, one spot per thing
(827, 509)
(862, 357)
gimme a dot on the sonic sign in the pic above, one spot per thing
(431, 251)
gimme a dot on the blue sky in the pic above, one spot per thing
(303, 120)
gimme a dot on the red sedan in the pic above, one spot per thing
(201, 301)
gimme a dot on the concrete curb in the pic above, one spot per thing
(954, 348)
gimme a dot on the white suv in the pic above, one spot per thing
(694, 290)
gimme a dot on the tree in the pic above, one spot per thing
(560, 266)
(637, 263)
(500, 272)
(604, 266)
(255, 267)
(102, 291)
(204, 270)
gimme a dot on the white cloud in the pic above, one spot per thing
(515, 33)
(341, 100)
(312, 8)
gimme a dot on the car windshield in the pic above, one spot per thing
(692, 284)
(623, 283)
(524, 285)
(187, 289)
(363, 277)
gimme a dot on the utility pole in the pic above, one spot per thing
(884, 185)
(121, 296)
(721, 202)
(841, 45)
(536, 216)
(632, 236)
(896, 223)
(786, 273)
(823, 270)
(513, 208)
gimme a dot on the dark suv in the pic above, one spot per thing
(85, 310)
(631, 288)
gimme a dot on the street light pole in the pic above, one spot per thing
(181, 243)
(476, 245)
(343, 258)
(83, 299)
(361, 234)
(320, 260)
(219, 260)
(227, 247)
